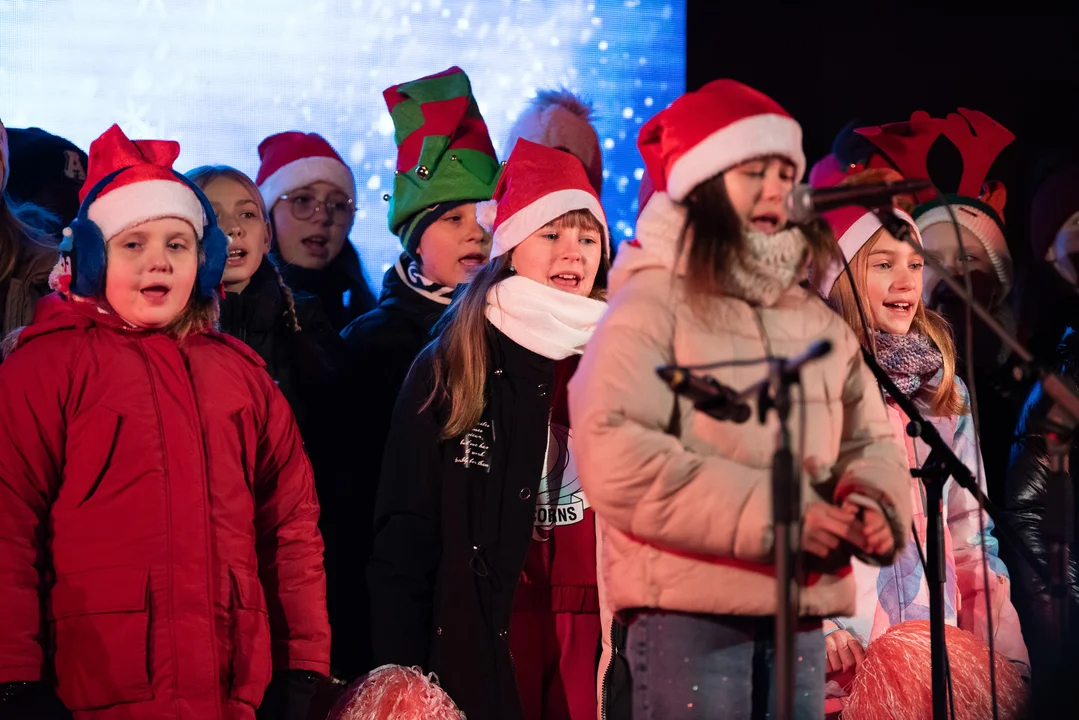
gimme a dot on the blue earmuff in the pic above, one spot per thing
(84, 245)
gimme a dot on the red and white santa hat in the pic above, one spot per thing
(292, 160)
(147, 190)
(538, 185)
(712, 129)
(852, 226)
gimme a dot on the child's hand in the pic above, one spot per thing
(879, 540)
(843, 651)
(824, 525)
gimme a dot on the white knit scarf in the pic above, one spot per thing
(549, 322)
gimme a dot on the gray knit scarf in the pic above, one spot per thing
(765, 266)
(908, 359)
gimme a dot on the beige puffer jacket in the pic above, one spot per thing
(687, 521)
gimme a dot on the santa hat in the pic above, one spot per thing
(444, 153)
(852, 226)
(538, 185)
(293, 160)
(5, 158)
(560, 119)
(712, 129)
(143, 187)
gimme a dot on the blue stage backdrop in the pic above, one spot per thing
(220, 75)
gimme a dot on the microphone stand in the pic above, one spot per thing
(942, 462)
(787, 513)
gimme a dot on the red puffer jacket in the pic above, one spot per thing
(158, 537)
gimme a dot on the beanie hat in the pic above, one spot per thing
(705, 132)
(1055, 200)
(147, 189)
(559, 119)
(852, 226)
(444, 152)
(538, 185)
(293, 159)
(5, 157)
(47, 166)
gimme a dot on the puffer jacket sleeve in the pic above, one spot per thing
(407, 547)
(871, 461)
(288, 543)
(967, 547)
(640, 479)
(34, 387)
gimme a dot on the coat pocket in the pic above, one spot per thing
(100, 624)
(250, 662)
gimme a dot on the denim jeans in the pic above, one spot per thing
(718, 666)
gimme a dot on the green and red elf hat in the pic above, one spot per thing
(444, 153)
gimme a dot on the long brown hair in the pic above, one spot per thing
(713, 233)
(206, 174)
(20, 236)
(946, 398)
(460, 359)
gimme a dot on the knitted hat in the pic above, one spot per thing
(852, 226)
(1055, 200)
(292, 160)
(444, 153)
(147, 190)
(5, 157)
(712, 129)
(538, 185)
(559, 119)
(50, 170)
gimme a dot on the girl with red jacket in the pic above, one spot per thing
(162, 557)
(483, 569)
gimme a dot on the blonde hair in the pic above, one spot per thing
(460, 358)
(946, 399)
(206, 174)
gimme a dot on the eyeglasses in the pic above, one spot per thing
(304, 207)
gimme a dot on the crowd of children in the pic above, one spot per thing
(232, 481)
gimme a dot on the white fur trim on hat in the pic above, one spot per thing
(853, 240)
(742, 140)
(984, 228)
(305, 171)
(128, 205)
(486, 213)
(514, 229)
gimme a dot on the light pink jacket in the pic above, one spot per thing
(686, 520)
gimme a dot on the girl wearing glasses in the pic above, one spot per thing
(310, 194)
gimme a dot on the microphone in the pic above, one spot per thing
(724, 403)
(708, 395)
(804, 202)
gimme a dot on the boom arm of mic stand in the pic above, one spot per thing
(955, 467)
(1052, 383)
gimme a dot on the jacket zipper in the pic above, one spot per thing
(605, 695)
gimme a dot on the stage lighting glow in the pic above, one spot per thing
(219, 75)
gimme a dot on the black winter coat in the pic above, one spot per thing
(453, 525)
(380, 348)
(1026, 509)
(341, 286)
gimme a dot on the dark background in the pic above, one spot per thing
(828, 66)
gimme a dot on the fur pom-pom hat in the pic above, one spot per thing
(560, 119)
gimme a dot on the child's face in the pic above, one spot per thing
(454, 247)
(307, 235)
(894, 284)
(756, 189)
(151, 271)
(565, 258)
(239, 216)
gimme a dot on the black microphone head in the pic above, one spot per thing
(799, 204)
(671, 374)
(819, 349)
(741, 413)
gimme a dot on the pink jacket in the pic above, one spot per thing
(891, 595)
(686, 519)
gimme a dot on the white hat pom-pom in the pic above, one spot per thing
(486, 212)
